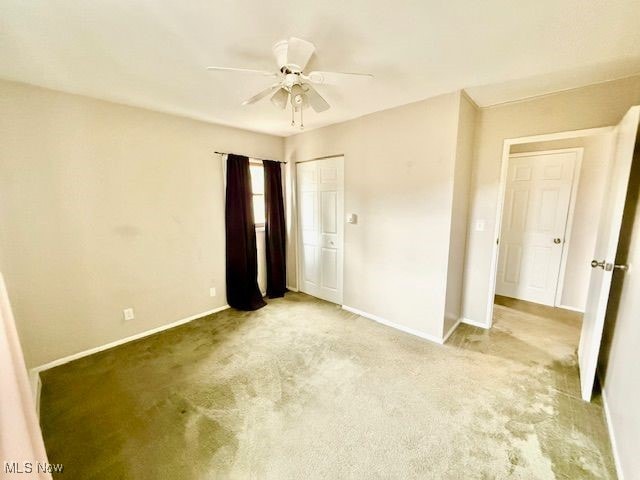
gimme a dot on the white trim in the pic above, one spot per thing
(568, 226)
(291, 289)
(493, 272)
(537, 153)
(402, 328)
(36, 387)
(107, 346)
(506, 148)
(473, 323)
(451, 330)
(573, 309)
(612, 436)
(296, 212)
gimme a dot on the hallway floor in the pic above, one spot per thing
(303, 389)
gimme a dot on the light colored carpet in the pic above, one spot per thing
(301, 389)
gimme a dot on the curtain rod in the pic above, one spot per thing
(249, 156)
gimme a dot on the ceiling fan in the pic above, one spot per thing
(294, 86)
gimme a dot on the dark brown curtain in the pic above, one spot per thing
(242, 258)
(275, 230)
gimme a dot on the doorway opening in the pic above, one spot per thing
(551, 190)
(535, 214)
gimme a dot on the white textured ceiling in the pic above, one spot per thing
(153, 53)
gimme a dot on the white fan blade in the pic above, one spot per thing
(242, 70)
(280, 98)
(335, 77)
(299, 52)
(261, 95)
(316, 101)
(280, 52)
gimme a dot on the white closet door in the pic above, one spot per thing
(536, 208)
(321, 227)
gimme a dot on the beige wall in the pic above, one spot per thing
(104, 191)
(619, 356)
(591, 185)
(104, 207)
(399, 173)
(459, 211)
(597, 105)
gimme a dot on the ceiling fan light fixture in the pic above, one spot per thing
(294, 85)
(298, 98)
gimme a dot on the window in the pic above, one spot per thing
(257, 188)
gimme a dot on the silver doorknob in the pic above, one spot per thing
(557, 241)
(608, 266)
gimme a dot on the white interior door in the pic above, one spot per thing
(536, 209)
(321, 227)
(606, 248)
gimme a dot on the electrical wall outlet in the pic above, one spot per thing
(212, 292)
(127, 313)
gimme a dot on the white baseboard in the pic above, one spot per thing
(474, 323)
(402, 328)
(292, 289)
(573, 309)
(612, 436)
(451, 330)
(34, 373)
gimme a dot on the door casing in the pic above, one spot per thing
(506, 148)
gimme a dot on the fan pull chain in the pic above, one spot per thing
(293, 116)
(301, 119)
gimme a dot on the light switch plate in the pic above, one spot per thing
(352, 218)
(127, 313)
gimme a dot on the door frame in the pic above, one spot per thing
(502, 187)
(298, 242)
